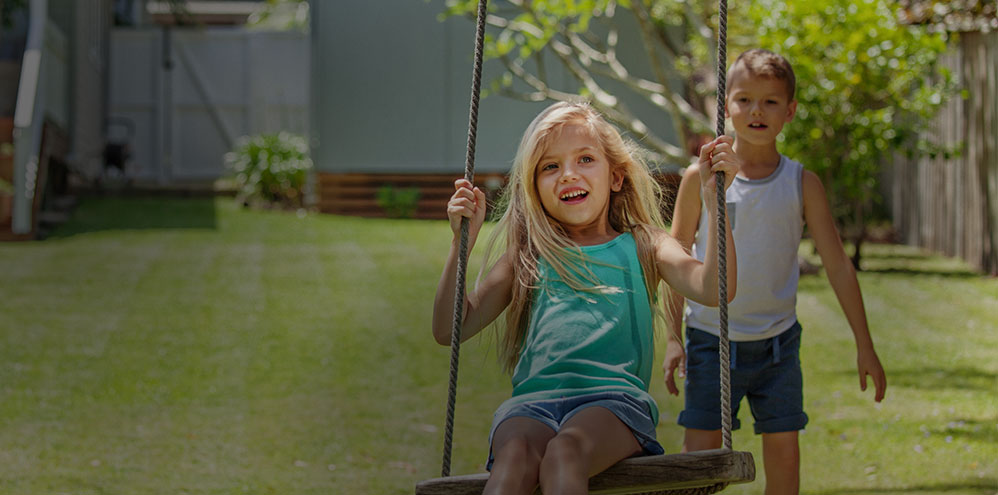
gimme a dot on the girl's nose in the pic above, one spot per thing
(568, 173)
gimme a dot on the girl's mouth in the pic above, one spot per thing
(757, 125)
(573, 196)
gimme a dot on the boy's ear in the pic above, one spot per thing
(617, 179)
(791, 110)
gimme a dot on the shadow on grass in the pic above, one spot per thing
(970, 429)
(981, 486)
(895, 254)
(961, 378)
(139, 213)
(915, 272)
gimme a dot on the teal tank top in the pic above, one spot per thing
(581, 342)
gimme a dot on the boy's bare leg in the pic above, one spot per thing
(588, 443)
(517, 448)
(781, 455)
(701, 440)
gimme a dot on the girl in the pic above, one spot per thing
(583, 258)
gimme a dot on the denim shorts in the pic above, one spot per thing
(555, 412)
(767, 372)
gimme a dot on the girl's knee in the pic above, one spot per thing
(564, 452)
(518, 450)
(515, 469)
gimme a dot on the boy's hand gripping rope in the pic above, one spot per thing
(462, 259)
(722, 241)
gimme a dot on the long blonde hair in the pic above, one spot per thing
(530, 234)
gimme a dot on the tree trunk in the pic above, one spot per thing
(857, 243)
(859, 233)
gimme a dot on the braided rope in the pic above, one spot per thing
(722, 262)
(462, 259)
(700, 490)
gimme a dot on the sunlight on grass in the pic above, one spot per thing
(190, 346)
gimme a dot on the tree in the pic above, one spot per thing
(281, 15)
(582, 37)
(7, 9)
(865, 83)
(867, 87)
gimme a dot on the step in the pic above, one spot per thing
(7, 148)
(357, 194)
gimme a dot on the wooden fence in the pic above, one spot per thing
(950, 205)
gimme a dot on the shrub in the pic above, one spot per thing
(270, 168)
(398, 203)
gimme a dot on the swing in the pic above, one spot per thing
(691, 473)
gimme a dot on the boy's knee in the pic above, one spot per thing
(701, 440)
(781, 448)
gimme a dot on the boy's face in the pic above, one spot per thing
(759, 107)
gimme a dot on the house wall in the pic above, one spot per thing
(393, 83)
(182, 114)
(392, 91)
(91, 25)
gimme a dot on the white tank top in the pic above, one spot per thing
(767, 221)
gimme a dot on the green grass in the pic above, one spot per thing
(188, 346)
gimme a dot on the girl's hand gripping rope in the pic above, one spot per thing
(467, 201)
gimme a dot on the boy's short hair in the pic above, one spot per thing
(764, 63)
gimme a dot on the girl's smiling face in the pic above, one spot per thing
(574, 180)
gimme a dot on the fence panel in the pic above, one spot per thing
(950, 204)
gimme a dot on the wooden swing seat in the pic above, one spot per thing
(705, 471)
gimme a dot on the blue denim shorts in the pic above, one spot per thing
(555, 412)
(767, 372)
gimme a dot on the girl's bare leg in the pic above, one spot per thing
(588, 443)
(517, 447)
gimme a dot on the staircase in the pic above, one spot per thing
(10, 71)
(6, 170)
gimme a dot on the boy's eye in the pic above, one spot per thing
(742, 99)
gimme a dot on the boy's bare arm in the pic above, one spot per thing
(842, 277)
(685, 221)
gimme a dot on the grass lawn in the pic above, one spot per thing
(188, 346)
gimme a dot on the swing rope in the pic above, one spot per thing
(462, 259)
(722, 241)
(731, 465)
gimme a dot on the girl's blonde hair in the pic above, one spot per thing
(530, 234)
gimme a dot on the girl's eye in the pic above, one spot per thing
(586, 159)
(549, 166)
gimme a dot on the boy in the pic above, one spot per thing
(769, 203)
